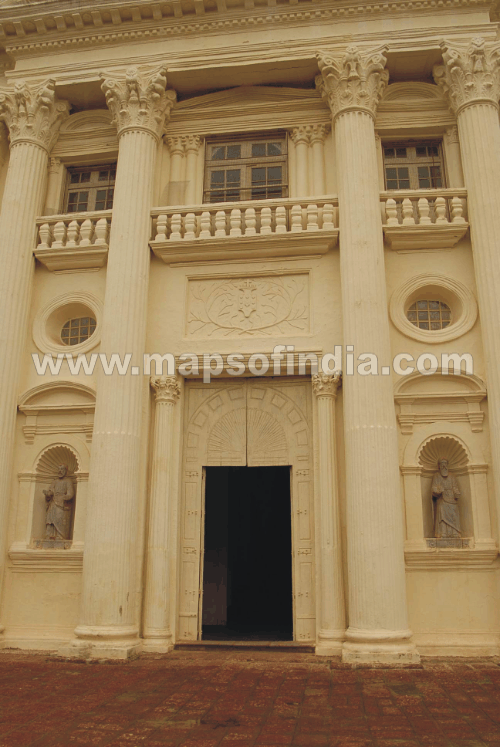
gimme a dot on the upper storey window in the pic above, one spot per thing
(413, 165)
(90, 188)
(246, 169)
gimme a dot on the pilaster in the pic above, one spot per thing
(332, 608)
(33, 116)
(378, 629)
(157, 633)
(470, 79)
(109, 616)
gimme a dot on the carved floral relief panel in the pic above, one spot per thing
(248, 305)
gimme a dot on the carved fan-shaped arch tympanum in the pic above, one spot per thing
(54, 456)
(267, 443)
(443, 447)
(227, 439)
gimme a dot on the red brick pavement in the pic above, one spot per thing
(198, 699)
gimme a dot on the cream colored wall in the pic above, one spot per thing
(444, 604)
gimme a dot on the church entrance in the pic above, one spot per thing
(246, 514)
(247, 557)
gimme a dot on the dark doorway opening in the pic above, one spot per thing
(247, 565)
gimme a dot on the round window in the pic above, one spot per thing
(78, 330)
(427, 314)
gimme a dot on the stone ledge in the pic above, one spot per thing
(422, 238)
(429, 559)
(76, 259)
(26, 559)
(303, 244)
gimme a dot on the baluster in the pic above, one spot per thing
(190, 226)
(220, 223)
(73, 231)
(175, 227)
(281, 219)
(161, 228)
(86, 231)
(440, 210)
(296, 213)
(408, 217)
(312, 218)
(423, 211)
(101, 232)
(206, 225)
(391, 211)
(457, 209)
(328, 224)
(59, 235)
(45, 234)
(265, 221)
(235, 221)
(250, 222)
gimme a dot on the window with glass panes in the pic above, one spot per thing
(413, 165)
(78, 330)
(90, 188)
(246, 169)
(426, 314)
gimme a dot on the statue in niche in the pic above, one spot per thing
(445, 494)
(58, 498)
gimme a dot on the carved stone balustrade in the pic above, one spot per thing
(78, 241)
(424, 219)
(271, 228)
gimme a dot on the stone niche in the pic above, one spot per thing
(445, 447)
(46, 473)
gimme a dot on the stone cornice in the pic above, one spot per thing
(42, 28)
(138, 101)
(33, 114)
(470, 73)
(355, 81)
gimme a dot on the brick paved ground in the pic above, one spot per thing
(198, 699)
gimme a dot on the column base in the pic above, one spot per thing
(157, 642)
(330, 643)
(103, 642)
(392, 647)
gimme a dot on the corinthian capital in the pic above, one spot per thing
(139, 102)
(33, 114)
(326, 385)
(470, 74)
(166, 388)
(355, 81)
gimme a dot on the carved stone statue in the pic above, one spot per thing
(59, 497)
(445, 494)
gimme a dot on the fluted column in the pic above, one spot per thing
(157, 633)
(192, 147)
(470, 78)
(176, 148)
(109, 615)
(332, 608)
(300, 137)
(453, 157)
(378, 627)
(317, 135)
(33, 117)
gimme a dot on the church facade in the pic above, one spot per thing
(249, 326)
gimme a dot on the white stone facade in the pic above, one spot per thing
(327, 240)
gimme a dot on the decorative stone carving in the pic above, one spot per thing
(326, 385)
(139, 101)
(33, 114)
(176, 144)
(59, 497)
(356, 81)
(470, 74)
(318, 132)
(166, 388)
(452, 135)
(300, 134)
(239, 306)
(445, 494)
(193, 143)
